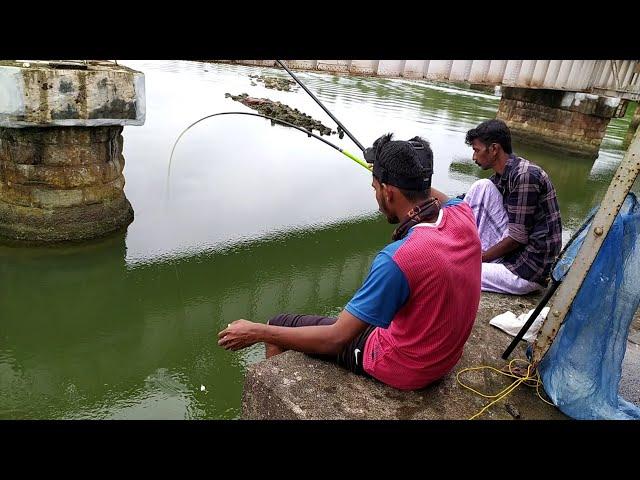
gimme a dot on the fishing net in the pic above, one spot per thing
(581, 371)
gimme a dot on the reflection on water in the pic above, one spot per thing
(84, 335)
(257, 220)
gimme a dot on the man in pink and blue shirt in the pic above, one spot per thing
(407, 324)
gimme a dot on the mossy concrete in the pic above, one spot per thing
(296, 386)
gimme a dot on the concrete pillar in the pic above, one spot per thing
(61, 156)
(569, 122)
(633, 126)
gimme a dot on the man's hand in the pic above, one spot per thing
(239, 334)
(500, 249)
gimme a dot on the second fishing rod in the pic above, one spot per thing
(342, 127)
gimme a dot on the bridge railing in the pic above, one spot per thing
(619, 78)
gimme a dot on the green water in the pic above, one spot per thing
(254, 220)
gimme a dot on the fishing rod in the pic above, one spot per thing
(307, 132)
(342, 127)
(282, 122)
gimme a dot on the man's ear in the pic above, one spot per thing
(388, 192)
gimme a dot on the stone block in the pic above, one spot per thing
(41, 93)
(540, 118)
(70, 174)
(296, 386)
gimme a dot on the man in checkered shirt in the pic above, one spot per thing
(516, 212)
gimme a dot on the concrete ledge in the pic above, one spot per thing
(42, 93)
(295, 386)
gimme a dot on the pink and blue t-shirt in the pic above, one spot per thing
(422, 293)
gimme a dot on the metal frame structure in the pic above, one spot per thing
(560, 303)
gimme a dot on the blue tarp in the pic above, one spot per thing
(582, 369)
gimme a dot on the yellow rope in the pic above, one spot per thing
(531, 379)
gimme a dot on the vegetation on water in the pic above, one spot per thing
(282, 112)
(274, 83)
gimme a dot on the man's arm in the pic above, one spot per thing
(500, 249)
(521, 204)
(382, 294)
(321, 339)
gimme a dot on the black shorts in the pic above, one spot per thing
(352, 354)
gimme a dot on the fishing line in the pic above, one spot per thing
(307, 132)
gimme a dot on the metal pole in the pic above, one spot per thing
(532, 318)
(619, 187)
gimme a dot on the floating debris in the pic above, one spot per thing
(282, 112)
(275, 83)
